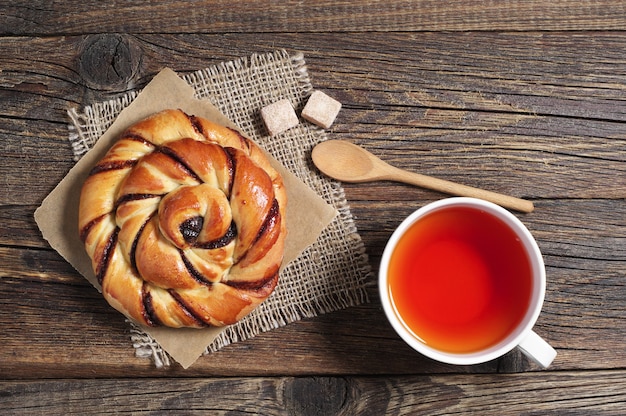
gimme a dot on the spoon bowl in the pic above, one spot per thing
(348, 162)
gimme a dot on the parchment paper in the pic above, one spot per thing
(307, 213)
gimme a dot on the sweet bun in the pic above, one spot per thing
(184, 221)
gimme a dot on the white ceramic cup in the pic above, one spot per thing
(521, 336)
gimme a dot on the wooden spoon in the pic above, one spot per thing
(348, 162)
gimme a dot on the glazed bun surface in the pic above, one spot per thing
(184, 222)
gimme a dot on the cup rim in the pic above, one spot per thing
(532, 313)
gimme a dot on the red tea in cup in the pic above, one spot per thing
(460, 279)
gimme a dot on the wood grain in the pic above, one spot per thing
(579, 393)
(522, 98)
(220, 16)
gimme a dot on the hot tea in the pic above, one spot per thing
(460, 279)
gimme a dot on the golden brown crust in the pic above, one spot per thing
(184, 221)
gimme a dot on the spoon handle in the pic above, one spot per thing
(459, 190)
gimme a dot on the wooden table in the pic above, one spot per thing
(524, 98)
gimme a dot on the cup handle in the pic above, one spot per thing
(535, 348)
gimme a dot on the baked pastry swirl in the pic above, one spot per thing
(184, 221)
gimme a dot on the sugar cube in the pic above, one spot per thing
(279, 117)
(321, 109)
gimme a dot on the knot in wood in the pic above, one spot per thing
(316, 396)
(109, 62)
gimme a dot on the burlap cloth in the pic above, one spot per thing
(331, 274)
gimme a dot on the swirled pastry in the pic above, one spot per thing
(184, 221)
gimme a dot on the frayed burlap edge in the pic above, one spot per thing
(337, 265)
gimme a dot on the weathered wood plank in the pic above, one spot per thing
(572, 393)
(219, 16)
(497, 72)
(19, 227)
